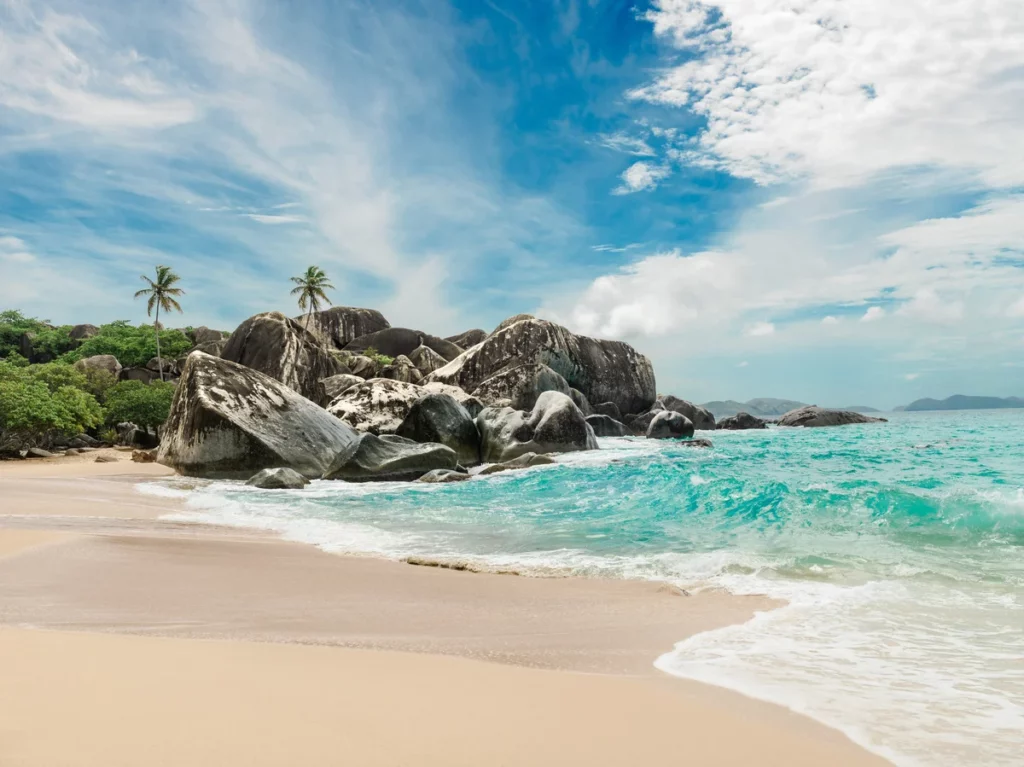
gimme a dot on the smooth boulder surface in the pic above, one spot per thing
(604, 371)
(439, 418)
(441, 346)
(228, 420)
(524, 461)
(82, 332)
(363, 366)
(700, 417)
(391, 342)
(439, 476)
(469, 338)
(609, 409)
(812, 416)
(137, 374)
(581, 401)
(278, 479)
(205, 335)
(519, 386)
(510, 321)
(426, 360)
(105, 362)
(668, 424)
(170, 367)
(335, 385)
(555, 425)
(472, 404)
(401, 369)
(605, 426)
(742, 421)
(379, 460)
(278, 347)
(339, 326)
(638, 423)
(377, 406)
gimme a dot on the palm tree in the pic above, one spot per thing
(310, 289)
(161, 295)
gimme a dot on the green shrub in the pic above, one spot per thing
(132, 345)
(32, 415)
(46, 339)
(145, 405)
(380, 359)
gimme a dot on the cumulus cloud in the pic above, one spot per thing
(873, 314)
(829, 320)
(640, 177)
(760, 329)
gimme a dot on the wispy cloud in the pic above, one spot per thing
(641, 177)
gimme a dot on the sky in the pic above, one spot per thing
(819, 200)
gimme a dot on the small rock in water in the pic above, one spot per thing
(278, 479)
(524, 461)
(444, 475)
(668, 424)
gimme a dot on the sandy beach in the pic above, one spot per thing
(129, 639)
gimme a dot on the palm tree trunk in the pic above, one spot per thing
(308, 315)
(156, 329)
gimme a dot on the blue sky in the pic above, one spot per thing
(810, 199)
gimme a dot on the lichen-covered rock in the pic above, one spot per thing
(668, 424)
(555, 425)
(391, 342)
(510, 321)
(609, 409)
(438, 476)
(742, 421)
(472, 404)
(581, 401)
(228, 420)
(818, 416)
(382, 460)
(401, 369)
(363, 366)
(604, 371)
(105, 362)
(279, 347)
(605, 426)
(204, 335)
(700, 417)
(518, 386)
(339, 326)
(377, 406)
(443, 347)
(426, 360)
(170, 367)
(524, 461)
(439, 418)
(468, 339)
(335, 385)
(278, 479)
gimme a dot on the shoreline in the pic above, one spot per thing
(126, 576)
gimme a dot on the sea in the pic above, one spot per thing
(898, 549)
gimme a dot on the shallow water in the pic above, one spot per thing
(899, 547)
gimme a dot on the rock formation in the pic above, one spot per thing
(377, 459)
(468, 339)
(278, 479)
(818, 416)
(519, 386)
(668, 424)
(555, 425)
(377, 406)
(105, 362)
(439, 418)
(339, 326)
(605, 426)
(742, 421)
(700, 417)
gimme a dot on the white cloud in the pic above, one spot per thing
(264, 218)
(760, 329)
(14, 250)
(911, 376)
(743, 364)
(640, 177)
(873, 314)
(622, 142)
(928, 306)
(829, 320)
(1016, 309)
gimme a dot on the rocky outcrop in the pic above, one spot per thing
(440, 476)
(524, 461)
(401, 369)
(382, 460)
(700, 417)
(170, 367)
(82, 332)
(439, 418)
(228, 420)
(468, 339)
(818, 416)
(668, 424)
(278, 479)
(278, 347)
(391, 342)
(609, 409)
(339, 326)
(362, 366)
(336, 385)
(581, 401)
(519, 386)
(138, 374)
(140, 456)
(441, 346)
(377, 406)
(472, 404)
(604, 371)
(204, 335)
(426, 360)
(510, 321)
(604, 426)
(555, 425)
(742, 421)
(106, 362)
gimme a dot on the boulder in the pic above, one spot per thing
(519, 386)
(228, 420)
(443, 347)
(169, 366)
(698, 442)
(382, 460)
(638, 423)
(510, 321)
(143, 456)
(668, 424)
(362, 366)
(426, 360)
(468, 339)
(439, 418)
(38, 452)
(524, 461)
(581, 401)
(700, 417)
(335, 385)
(377, 406)
(555, 425)
(444, 475)
(105, 362)
(276, 346)
(137, 374)
(339, 326)
(468, 401)
(106, 459)
(813, 415)
(742, 421)
(82, 332)
(604, 371)
(278, 479)
(609, 409)
(204, 335)
(605, 426)
(391, 342)
(401, 369)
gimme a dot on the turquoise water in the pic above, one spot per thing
(899, 548)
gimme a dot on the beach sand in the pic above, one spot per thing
(127, 640)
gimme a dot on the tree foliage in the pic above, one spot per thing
(311, 289)
(39, 402)
(145, 405)
(133, 346)
(46, 340)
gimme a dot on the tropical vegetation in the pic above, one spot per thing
(162, 295)
(311, 289)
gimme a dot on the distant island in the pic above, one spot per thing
(965, 402)
(767, 407)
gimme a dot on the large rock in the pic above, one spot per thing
(278, 479)
(468, 339)
(700, 417)
(555, 425)
(336, 385)
(382, 460)
(510, 321)
(472, 404)
(604, 371)
(377, 406)
(604, 426)
(441, 476)
(363, 366)
(439, 418)
(524, 461)
(339, 326)
(170, 367)
(391, 342)
(443, 347)
(138, 374)
(742, 421)
(581, 401)
(818, 416)
(609, 409)
(401, 369)
(204, 335)
(106, 362)
(278, 347)
(519, 386)
(426, 360)
(228, 420)
(668, 424)
(82, 332)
